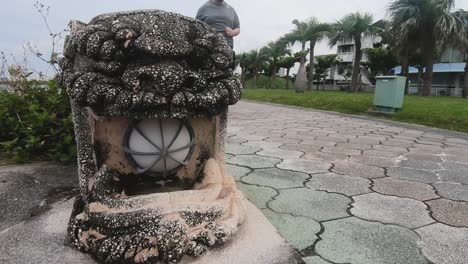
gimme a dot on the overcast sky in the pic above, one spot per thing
(261, 20)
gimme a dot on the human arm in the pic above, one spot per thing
(235, 30)
(232, 32)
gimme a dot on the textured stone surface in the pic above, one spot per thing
(391, 210)
(28, 190)
(402, 188)
(280, 153)
(254, 162)
(275, 178)
(358, 170)
(301, 232)
(303, 165)
(315, 260)
(319, 206)
(454, 176)
(444, 244)
(102, 69)
(258, 195)
(421, 165)
(236, 149)
(449, 212)
(452, 191)
(412, 174)
(373, 161)
(42, 241)
(343, 184)
(352, 240)
(237, 172)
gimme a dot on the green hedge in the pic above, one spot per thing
(264, 82)
(36, 124)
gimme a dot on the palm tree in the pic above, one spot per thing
(274, 51)
(315, 32)
(288, 62)
(242, 60)
(461, 41)
(352, 28)
(254, 61)
(299, 35)
(431, 21)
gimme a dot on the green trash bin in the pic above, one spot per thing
(389, 93)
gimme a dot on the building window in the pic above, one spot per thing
(345, 49)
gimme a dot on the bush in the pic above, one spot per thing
(264, 82)
(36, 124)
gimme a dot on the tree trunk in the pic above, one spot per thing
(420, 74)
(287, 78)
(405, 68)
(243, 77)
(301, 79)
(357, 65)
(273, 76)
(318, 82)
(465, 88)
(255, 79)
(428, 54)
(311, 68)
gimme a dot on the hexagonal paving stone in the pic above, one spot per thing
(453, 176)
(280, 153)
(342, 151)
(303, 165)
(461, 167)
(254, 161)
(328, 157)
(412, 174)
(356, 241)
(452, 191)
(320, 206)
(248, 137)
(318, 143)
(300, 232)
(373, 161)
(237, 172)
(262, 144)
(444, 244)
(426, 149)
(236, 149)
(449, 212)
(421, 165)
(358, 170)
(354, 146)
(456, 159)
(391, 210)
(390, 149)
(315, 260)
(283, 140)
(380, 153)
(259, 196)
(302, 148)
(276, 178)
(423, 157)
(409, 189)
(344, 184)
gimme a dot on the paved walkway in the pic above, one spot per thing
(342, 189)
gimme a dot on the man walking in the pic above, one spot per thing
(222, 17)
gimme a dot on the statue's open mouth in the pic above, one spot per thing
(161, 190)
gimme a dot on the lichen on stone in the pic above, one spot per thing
(149, 64)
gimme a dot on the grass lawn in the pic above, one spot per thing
(442, 112)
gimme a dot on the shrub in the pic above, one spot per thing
(36, 123)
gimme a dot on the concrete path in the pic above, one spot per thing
(343, 189)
